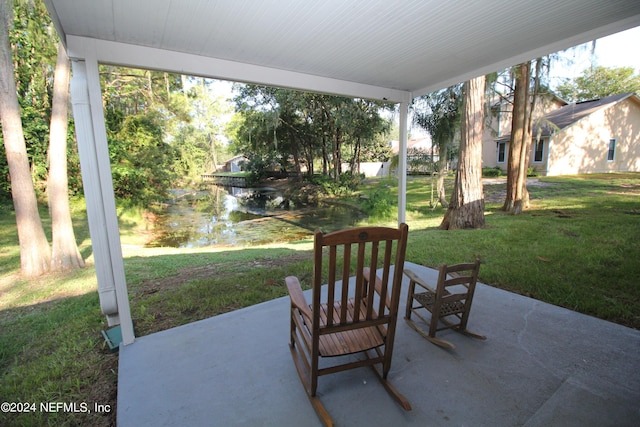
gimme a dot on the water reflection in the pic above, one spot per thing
(241, 216)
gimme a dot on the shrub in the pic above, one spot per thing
(379, 204)
(256, 166)
(491, 172)
(346, 184)
(304, 193)
(351, 181)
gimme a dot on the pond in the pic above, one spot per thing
(229, 216)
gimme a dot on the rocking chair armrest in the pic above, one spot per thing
(297, 297)
(418, 280)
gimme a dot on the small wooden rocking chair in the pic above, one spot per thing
(449, 303)
(351, 315)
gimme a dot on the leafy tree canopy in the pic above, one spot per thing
(292, 128)
(599, 82)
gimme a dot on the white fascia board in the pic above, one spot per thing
(554, 47)
(128, 55)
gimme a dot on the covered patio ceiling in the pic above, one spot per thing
(393, 50)
(364, 48)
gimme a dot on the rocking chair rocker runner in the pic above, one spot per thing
(449, 303)
(352, 315)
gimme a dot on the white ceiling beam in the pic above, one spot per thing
(128, 55)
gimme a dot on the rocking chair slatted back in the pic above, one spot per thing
(362, 248)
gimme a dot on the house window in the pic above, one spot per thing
(538, 153)
(502, 146)
(612, 150)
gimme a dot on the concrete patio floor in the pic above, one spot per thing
(541, 365)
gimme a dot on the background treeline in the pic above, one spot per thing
(309, 133)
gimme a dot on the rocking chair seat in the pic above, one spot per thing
(349, 341)
(333, 342)
(428, 299)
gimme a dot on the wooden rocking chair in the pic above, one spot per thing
(352, 315)
(449, 303)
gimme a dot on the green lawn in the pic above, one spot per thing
(575, 247)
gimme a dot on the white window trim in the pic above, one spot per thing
(544, 140)
(498, 161)
(615, 146)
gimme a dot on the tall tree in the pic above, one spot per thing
(518, 141)
(599, 82)
(141, 160)
(33, 44)
(64, 250)
(199, 140)
(366, 125)
(34, 248)
(141, 112)
(525, 99)
(441, 119)
(466, 208)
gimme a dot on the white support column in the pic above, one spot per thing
(402, 162)
(93, 151)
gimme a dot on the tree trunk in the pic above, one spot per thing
(529, 137)
(34, 248)
(296, 155)
(355, 165)
(515, 144)
(337, 158)
(328, 163)
(64, 251)
(325, 155)
(466, 209)
(442, 170)
(517, 195)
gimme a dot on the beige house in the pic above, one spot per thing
(601, 135)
